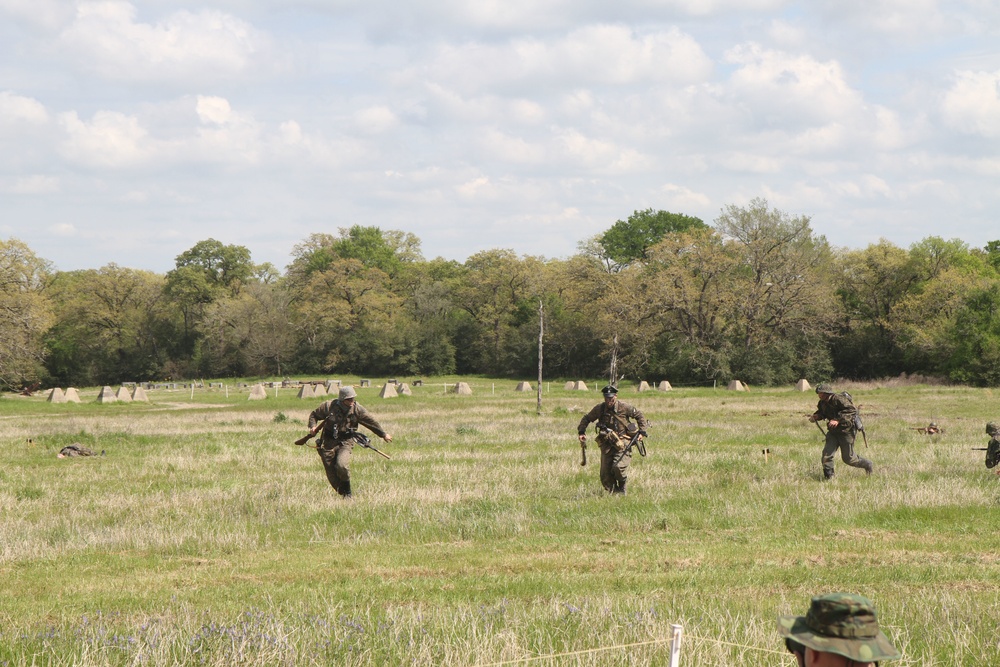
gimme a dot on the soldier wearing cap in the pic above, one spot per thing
(993, 449)
(839, 630)
(614, 430)
(839, 413)
(340, 419)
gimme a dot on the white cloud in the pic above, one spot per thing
(46, 14)
(501, 146)
(110, 139)
(682, 198)
(972, 105)
(63, 229)
(613, 55)
(783, 89)
(375, 119)
(19, 109)
(204, 46)
(35, 185)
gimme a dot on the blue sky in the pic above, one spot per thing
(129, 131)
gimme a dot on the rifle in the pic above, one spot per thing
(980, 449)
(309, 436)
(636, 442)
(365, 442)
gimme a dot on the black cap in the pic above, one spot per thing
(609, 391)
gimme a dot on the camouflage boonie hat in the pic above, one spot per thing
(824, 388)
(992, 428)
(840, 623)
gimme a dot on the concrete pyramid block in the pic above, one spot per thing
(643, 386)
(72, 395)
(107, 395)
(388, 391)
(803, 385)
(257, 393)
(523, 386)
(306, 391)
(664, 386)
(139, 394)
(736, 385)
(463, 389)
(56, 395)
(403, 389)
(123, 395)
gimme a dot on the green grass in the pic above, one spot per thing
(204, 536)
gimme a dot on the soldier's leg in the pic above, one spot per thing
(829, 449)
(607, 468)
(342, 468)
(620, 464)
(848, 455)
(327, 457)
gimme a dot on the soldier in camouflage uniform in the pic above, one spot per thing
(839, 630)
(340, 419)
(614, 430)
(993, 449)
(839, 413)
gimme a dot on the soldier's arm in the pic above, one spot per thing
(319, 414)
(365, 419)
(592, 416)
(639, 418)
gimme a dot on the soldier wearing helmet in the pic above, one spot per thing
(841, 428)
(993, 449)
(339, 419)
(614, 430)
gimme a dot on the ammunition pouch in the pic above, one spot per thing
(608, 438)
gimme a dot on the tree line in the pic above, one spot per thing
(756, 296)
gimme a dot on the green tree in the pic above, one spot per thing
(26, 313)
(249, 333)
(785, 303)
(492, 287)
(202, 274)
(113, 325)
(629, 240)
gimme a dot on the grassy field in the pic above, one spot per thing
(205, 537)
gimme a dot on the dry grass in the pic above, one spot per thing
(205, 537)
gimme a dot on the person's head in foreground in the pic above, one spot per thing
(839, 630)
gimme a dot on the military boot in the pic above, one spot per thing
(345, 489)
(868, 466)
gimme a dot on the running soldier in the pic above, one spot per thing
(339, 420)
(839, 412)
(614, 430)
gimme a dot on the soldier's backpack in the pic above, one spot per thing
(858, 424)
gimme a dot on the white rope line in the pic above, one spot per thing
(651, 642)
